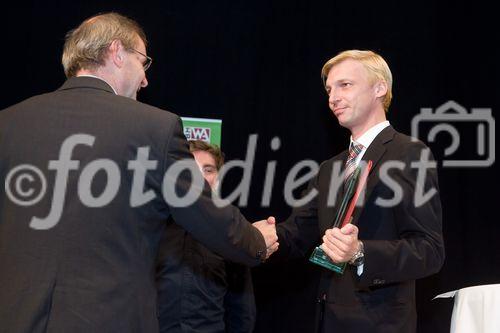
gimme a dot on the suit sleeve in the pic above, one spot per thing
(419, 249)
(223, 230)
(298, 235)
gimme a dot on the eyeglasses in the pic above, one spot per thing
(148, 61)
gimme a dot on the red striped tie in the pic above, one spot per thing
(350, 164)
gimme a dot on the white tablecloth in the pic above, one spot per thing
(477, 310)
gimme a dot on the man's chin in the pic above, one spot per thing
(342, 120)
(344, 123)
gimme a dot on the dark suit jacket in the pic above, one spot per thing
(402, 243)
(199, 291)
(94, 270)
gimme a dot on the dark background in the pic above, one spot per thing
(256, 65)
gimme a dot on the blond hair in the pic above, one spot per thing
(375, 65)
(87, 45)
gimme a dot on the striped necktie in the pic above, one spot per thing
(350, 164)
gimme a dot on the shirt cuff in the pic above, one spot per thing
(360, 269)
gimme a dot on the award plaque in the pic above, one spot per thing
(344, 216)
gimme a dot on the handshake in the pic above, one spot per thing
(340, 245)
(268, 230)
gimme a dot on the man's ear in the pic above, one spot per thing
(117, 53)
(380, 88)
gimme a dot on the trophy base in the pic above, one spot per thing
(319, 257)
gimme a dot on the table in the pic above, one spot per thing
(477, 310)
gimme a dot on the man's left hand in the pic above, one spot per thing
(341, 244)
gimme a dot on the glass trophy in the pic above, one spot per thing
(319, 256)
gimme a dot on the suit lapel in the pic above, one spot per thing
(331, 211)
(375, 153)
(342, 188)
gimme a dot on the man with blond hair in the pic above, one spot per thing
(393, 239)
(81, 256)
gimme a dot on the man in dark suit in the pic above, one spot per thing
(199, 291)
(81, 258)
(395, 236)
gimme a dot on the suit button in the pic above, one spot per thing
(261, 255)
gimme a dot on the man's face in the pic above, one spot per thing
(134, 76)
(352, 97)
(207, 165)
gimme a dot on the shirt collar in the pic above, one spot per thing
(100, 78)
(367, 138)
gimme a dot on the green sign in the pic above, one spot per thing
(208, 130)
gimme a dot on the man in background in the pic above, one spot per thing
(199, 291)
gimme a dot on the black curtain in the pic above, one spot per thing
(256, 65)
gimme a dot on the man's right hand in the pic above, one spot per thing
(268, 230)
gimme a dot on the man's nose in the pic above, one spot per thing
(333, 97)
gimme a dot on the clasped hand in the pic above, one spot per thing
(268, 229)
(341, 244)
